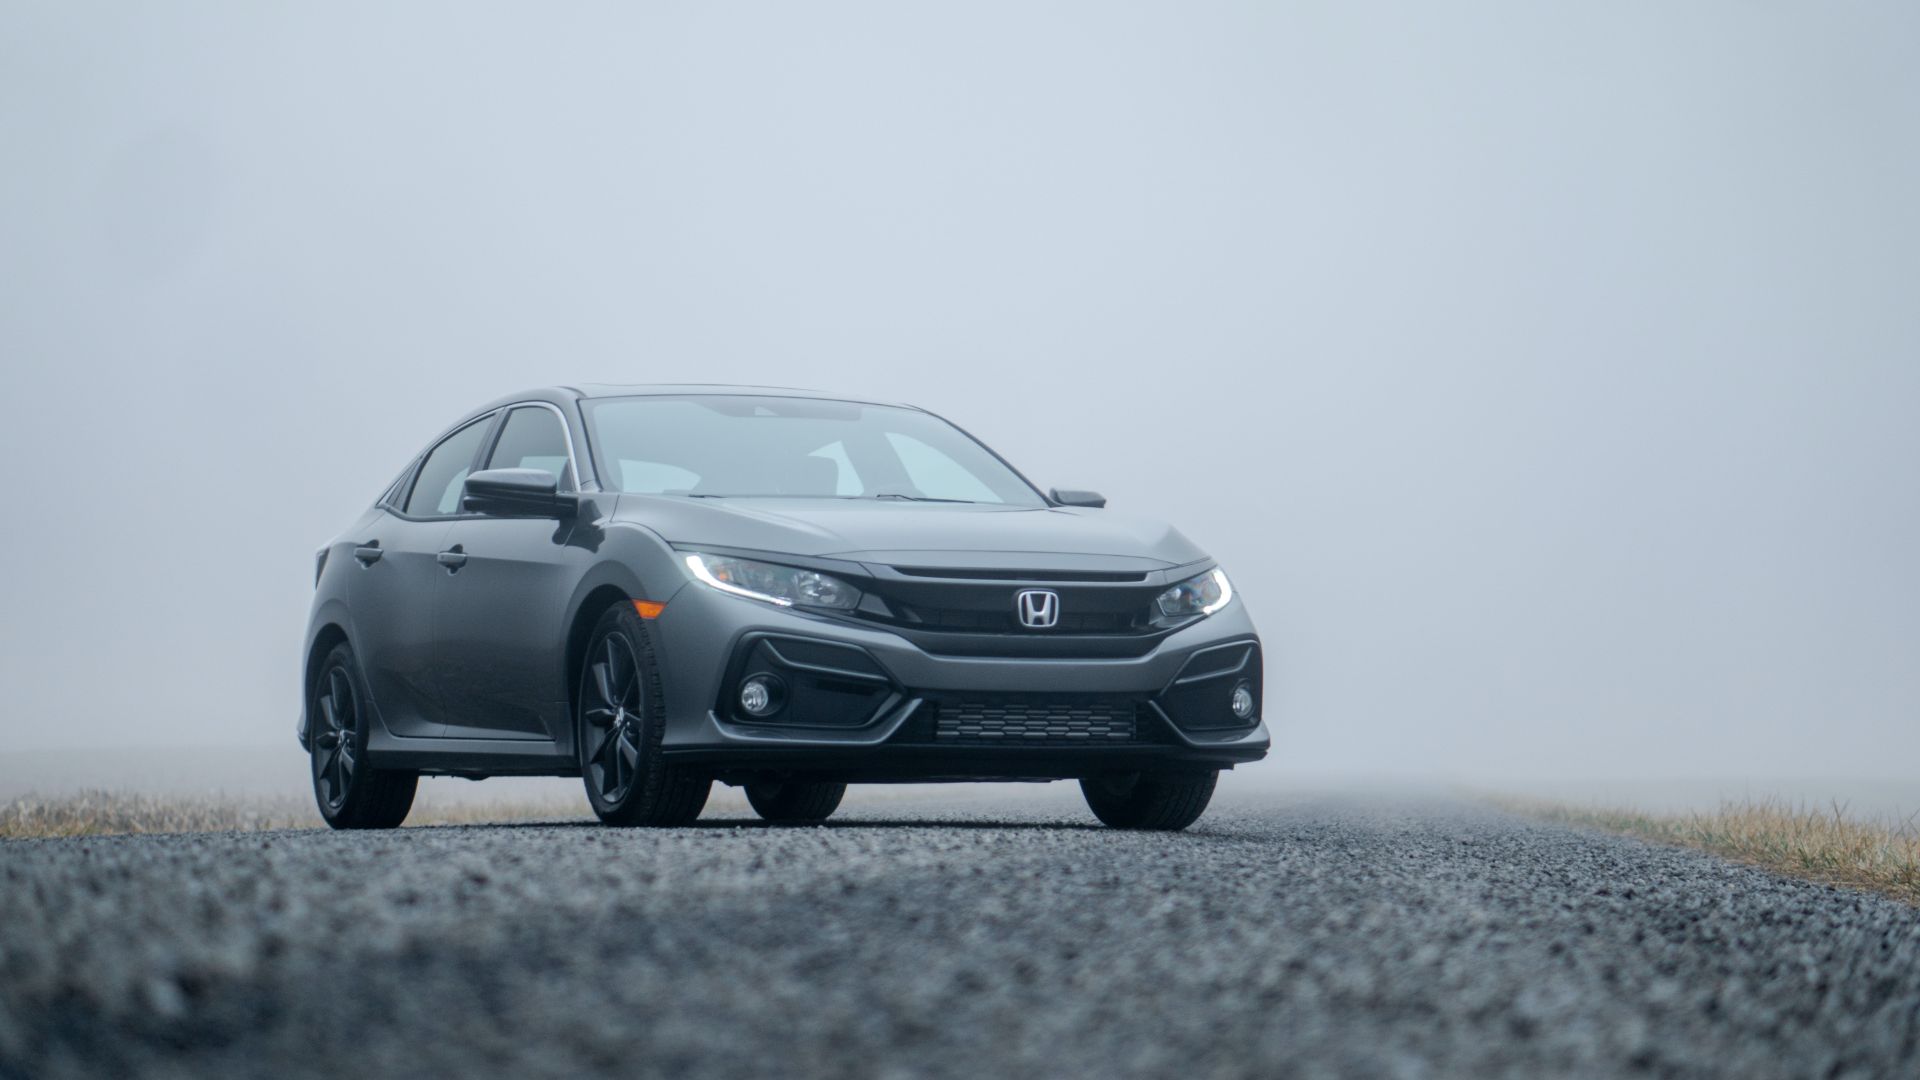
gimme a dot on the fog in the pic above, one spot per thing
(1546, 376)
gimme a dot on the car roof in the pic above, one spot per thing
(565, 395)
(605, 390)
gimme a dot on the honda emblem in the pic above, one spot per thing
(1038, 608)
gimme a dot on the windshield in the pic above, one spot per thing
(724, 445)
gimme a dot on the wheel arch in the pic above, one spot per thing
(325, 638)
(632, 556)
(586, 613)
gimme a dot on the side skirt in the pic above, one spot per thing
(472, 758)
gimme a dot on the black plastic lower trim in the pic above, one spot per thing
(923, 764)
(1198, 700)
(826, 684)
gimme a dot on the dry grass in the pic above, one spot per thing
(105, 813)
(101, 813)
(1823, 844)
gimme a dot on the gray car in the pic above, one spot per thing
(654, 588)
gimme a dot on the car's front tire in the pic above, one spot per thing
(350, 792)
(619, 719)
(1164, 801)
(795, 800)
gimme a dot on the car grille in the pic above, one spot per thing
(1034, 723)
(1035, 577)
(1004, 622)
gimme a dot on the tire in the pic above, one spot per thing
(619, 719)
(1164, 801)
(349, 791)
(795, 800)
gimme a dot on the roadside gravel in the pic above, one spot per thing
(1281, 936)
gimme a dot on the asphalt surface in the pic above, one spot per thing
(1281, 936)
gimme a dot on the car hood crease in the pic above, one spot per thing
(933, 535)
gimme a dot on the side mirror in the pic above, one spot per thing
(1069, 497)
(516, 492)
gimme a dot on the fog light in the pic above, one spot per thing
(1243, 701)
(759, 696)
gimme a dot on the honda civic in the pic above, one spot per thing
(656, 588)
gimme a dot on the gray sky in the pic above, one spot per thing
(1547, 376)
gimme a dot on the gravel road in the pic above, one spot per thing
(1282, 936)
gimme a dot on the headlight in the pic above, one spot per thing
(1201, 595)
(783, 585)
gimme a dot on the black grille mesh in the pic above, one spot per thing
(1004, 622)
(1034, 723)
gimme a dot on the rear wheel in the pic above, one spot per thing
(1168, 801)
(350, 792)
(619, 720)
(795, 800)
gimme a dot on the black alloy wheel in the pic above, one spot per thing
(1163, 801)
(350, 792)
(613, 713)
(619, 726)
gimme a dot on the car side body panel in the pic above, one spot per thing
(501, 634)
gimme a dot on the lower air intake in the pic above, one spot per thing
(1051, 723)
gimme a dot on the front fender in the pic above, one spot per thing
(636, 563)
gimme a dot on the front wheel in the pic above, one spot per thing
(619, 721)
(351, 793)
(795, 800)
(1164, 801)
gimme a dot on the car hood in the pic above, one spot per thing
(944, 535)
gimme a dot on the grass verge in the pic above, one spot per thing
(107, 813)
(104, 813)
(1826, 845)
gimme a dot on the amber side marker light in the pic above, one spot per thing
(648, 609)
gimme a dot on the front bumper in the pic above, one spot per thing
(868, 704)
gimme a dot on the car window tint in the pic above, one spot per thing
(532, 438)
(398, 489)
(847, 479)
(655, 478)
(935, 475)
(437, 491)
(754, 446)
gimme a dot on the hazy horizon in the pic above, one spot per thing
(1547, 380)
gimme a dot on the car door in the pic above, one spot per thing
(394, 591)
(502, 637)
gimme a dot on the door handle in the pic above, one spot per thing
(453, 558)
(368, 553)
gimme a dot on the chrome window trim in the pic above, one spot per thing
(395, 500)
(398, 509)
(566, 432)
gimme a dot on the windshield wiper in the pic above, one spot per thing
(898, 496)
(912, 498)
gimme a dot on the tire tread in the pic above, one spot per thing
(796, 800)
(1166, 802)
